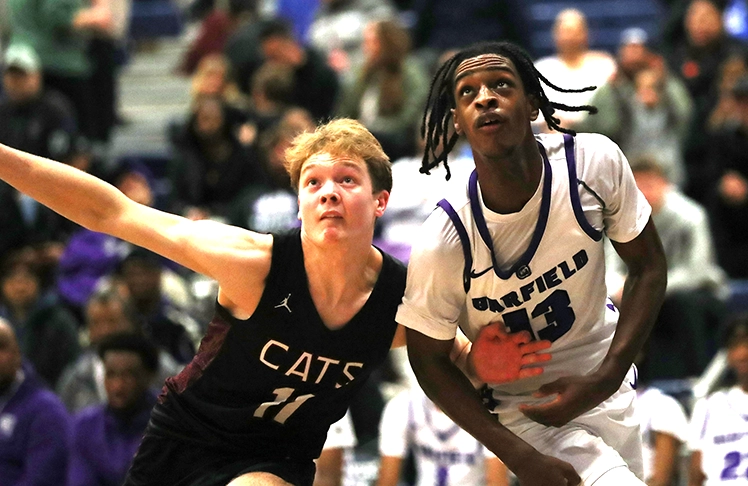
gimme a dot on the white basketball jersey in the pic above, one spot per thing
(720, 431)
(556, 289)
(658, 413)
(444, 454)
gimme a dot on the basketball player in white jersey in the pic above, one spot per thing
(444, 454)
(719, 423)
(524, 245)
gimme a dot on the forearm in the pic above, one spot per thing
(70, 192)
(642, 297)
(389, 471)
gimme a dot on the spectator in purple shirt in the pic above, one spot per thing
(34, 425)
(105, 437)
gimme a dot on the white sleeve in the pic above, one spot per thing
(434, 296)
(393, 428)
(341, 434)
(668, 417)
(604, 168)
(697, 426)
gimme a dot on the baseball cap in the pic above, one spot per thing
(634, 35)
(23, 57)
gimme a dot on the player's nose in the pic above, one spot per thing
(486, 97)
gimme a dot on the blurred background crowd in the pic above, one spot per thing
(91, 326)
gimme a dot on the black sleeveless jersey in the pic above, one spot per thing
(271, 385)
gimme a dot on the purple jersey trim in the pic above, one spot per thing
(571, 162)
(480, 221)
(464, 240)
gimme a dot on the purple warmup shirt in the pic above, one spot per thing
(34, 432)
(104, 444)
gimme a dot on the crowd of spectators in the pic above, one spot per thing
(90, 326)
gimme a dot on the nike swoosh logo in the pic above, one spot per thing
(476, 275)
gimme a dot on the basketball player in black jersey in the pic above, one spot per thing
(301, 319)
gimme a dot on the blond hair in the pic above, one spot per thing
(341, 137)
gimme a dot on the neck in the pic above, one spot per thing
(573, 58)
(339, 267)
(508, 181)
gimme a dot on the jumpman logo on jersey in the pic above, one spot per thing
(284, 303)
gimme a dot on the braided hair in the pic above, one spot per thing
(436, 125)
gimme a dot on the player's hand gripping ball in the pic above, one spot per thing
(499, 357)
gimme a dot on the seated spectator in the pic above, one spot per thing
(209, 165)
(41, 122)
(34, 425)
(729, 159)
(158, 318)
(388, 90)
(82, 383)
(444, 454)
(682, 341)
(105, 437)
(47, 332)
(574, 66)
(663, 426)
(725, 112)
(38, 121)
(215, 30)
(697, 60)
(719, 429)
(341, 439)
(212, 78)
(272, 94)
(271, 204)
(60, 33)
(643, 108)
(315, 83)
(338, 29)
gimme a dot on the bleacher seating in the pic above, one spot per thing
(738, 300)
(152, 19)
(606, 20)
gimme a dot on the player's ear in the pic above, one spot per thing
(534, 107)
(458, 129)
(298, 205)
(381, 200)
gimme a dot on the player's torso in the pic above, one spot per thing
(556, 289)
(445, 453)
(283, 373)
(724, 457)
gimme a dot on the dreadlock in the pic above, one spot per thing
(436, 125)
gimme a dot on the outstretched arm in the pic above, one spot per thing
(642, 297)
(207, 247)
(448, 387)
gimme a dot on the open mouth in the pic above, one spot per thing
(488, 120)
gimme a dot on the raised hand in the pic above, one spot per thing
(499, 357)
